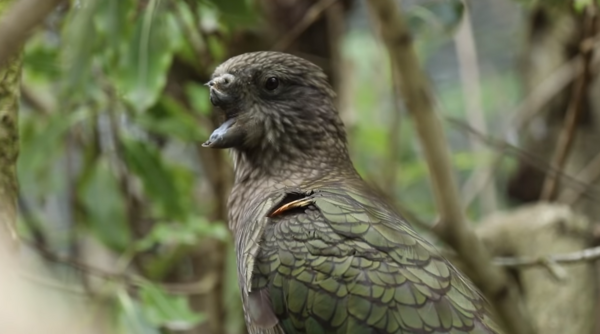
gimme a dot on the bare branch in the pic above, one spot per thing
(18, 22)
(567, 134)
(586, 255)
(391, 168)
(505, 148)
(588, 176)
(129, 280)
(471, 88)
(478, 181)
(312, 14)
(492, 280)
(552, 85)
(545, 91)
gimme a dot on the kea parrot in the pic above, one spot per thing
(318, 250)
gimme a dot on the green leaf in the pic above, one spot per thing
(194, 42)
(199, 97)
(169, 117)
(235, 12)
(217, 48)
(190, 233)
(79, 35)
(203, 228)
(580, 5)
(113, 20)
(41, 59)
(43, 140)
(104, 206)
(167, 234)
(145, 161)
(142, 71)
(162, 309)
(132, 317)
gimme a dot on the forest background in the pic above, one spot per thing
(121, 224)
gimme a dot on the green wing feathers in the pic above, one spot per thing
(343, 264)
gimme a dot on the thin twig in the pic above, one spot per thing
(567, 134)
(551, 86)
(73, 202)
(391, 167)
(590, 254)
(471, 88)
(453, 228)
(588, 176)
(505, 148)
(130, 281)
(312, 14)
(335, 30)
(477, 182)
(528, 109)
(53, 284)
(31, 221)
(544, 92)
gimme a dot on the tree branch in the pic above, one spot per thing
(583, 188)
(586, 255)
(588, 176)
(471, 88)
(390, 170)
(454, 229)
(312, 14)
(568, 132)
(131, 281)
(18, 22)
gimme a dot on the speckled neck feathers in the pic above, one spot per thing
(296, 152)
(303, 149)
(300, 145)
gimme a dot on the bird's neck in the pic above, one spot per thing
(296, 149)
(294, 167)
(261, 173)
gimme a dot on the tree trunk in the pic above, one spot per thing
(10, 80)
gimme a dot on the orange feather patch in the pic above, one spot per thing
(299, 203)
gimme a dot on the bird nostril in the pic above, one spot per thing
(220, 81)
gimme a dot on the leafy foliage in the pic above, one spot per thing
(120, 144)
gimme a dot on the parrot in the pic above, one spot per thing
(318, 250)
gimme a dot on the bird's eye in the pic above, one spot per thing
(272, 83)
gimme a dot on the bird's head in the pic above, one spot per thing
(274, 102)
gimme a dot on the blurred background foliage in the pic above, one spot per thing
(115, 187)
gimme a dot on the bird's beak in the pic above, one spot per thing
(231, 133)
(226, 136)
(220, 90)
